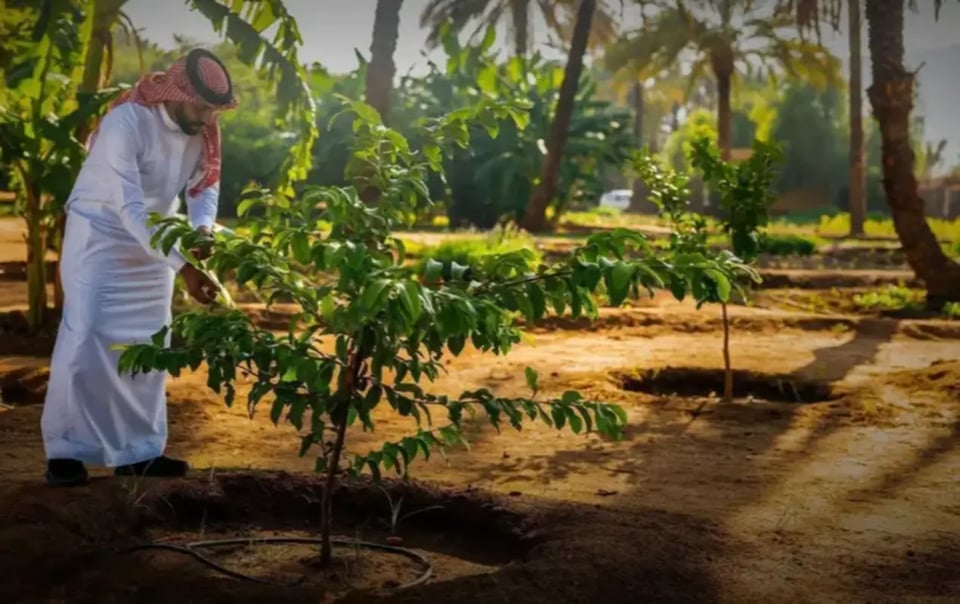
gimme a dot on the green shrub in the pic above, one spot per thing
(786, 244)
(470, 250)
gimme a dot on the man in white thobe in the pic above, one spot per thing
(157, 139)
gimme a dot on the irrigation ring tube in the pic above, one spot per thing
(191, 548)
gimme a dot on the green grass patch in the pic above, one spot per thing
(897, 298)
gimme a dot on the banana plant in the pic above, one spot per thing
(494, 177)
(37, 119)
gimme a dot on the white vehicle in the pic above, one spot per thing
(618, 199)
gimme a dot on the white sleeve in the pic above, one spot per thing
(202, 208)
(119, 146)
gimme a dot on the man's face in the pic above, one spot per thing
(192, 117)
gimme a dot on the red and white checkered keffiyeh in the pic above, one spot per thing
(174, 85)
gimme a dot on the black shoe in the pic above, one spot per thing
(158, 466)
(66, 472)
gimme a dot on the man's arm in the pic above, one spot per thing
(119, 145)
(202, 208)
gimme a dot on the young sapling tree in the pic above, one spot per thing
(746, 194)
(369, 330)
(708, 276)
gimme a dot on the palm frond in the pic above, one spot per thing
(438, 15)
(126, 23)
(277, 58)
(654, 47)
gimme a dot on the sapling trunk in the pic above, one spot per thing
(326, 518)
(727, 371)
(339, 417)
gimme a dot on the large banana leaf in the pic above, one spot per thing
(245, 24)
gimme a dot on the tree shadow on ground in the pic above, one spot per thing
(741, 456)
(834, 363)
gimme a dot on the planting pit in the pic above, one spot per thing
(707, 382)
(264, 529)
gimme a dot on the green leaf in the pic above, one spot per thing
(458, 271)
(372, 294)
(618, 282)
(305, 443)
(533, 379)
(244, 206)
(277, 410)
(246, 272)
(576, 424)
(433, 270)
(410, 298)
(724, 288)
(301, 248)
(306, 370)
(559, 416)
(537, 300)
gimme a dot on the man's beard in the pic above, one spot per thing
(188, 127)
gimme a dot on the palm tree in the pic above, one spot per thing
(722, 38)
(858, 166)
(536, 213)
(380, 72)
(891, 97)
(657, 99)
(559, 15)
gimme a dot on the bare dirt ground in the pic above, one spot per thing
(851, 499)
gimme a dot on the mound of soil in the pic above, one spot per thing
(943, 376)
(24, 385)
(703, 382)
(16, 340)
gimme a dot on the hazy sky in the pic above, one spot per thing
(333, 28)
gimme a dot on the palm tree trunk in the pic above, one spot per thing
(891, 96)
(536, 214)
(639, 188)
(858, 174)
(520, 15)
(724, 113)
(386, 29)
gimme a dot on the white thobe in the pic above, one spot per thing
(118, 288)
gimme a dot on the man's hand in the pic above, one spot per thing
(202, 251)
(200, 287)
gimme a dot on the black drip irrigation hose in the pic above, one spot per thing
(191, 548)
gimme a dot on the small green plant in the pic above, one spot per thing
(746, 194)
(890, 297)
(396, 506)
(710, 276)
(370, 331)
(475, 251)
(786, 244)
